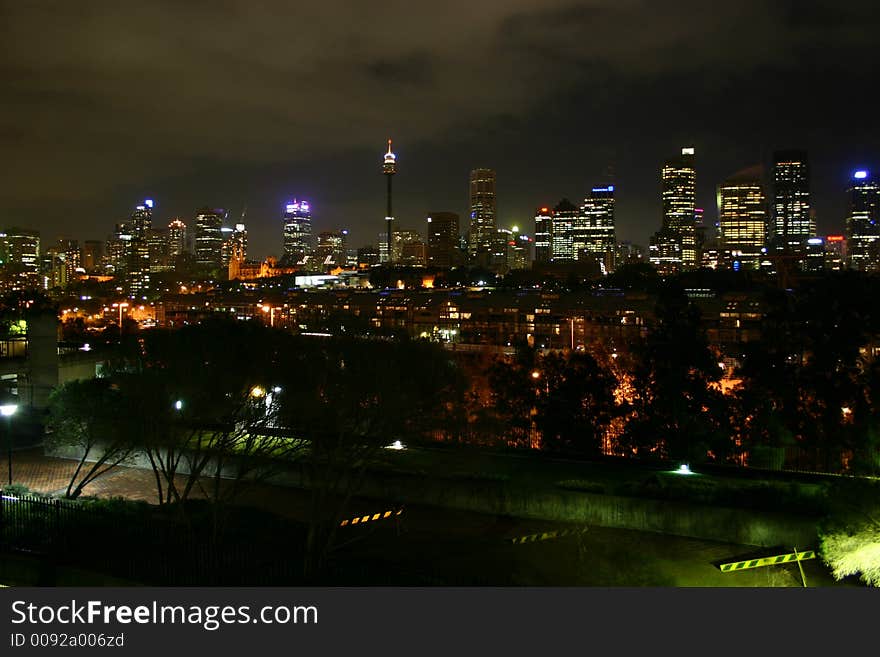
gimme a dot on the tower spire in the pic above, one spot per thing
(389, 168)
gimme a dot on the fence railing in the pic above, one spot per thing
(150, 546)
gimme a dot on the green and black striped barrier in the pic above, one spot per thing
(546, 536)
(768, 561)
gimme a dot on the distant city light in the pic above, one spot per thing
(396, 445)
(815, 240)
(687, 151)
(149, 203)
(178, 405)
(684, 469)
(860, 175)
(257, 392)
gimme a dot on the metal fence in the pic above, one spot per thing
(148, 546)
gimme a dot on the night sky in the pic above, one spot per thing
(237, 102)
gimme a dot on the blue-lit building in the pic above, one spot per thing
(297, 232)
(863, 215)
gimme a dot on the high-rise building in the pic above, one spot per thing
(141, 219)
(543, 228)
(679, 183)
(483, 211)
(331, 251)
(443, 240)
(176, 235)
(409, 248)
(562, 223)
(368, 256)
(92, 253)
(593, 233)
(520, 255)
(792, 220)
(863, 222)
(138, 275)
(742, 217)
(157, 246)
(297, 232)
(208, 238)
(21, 266)
(664, 252)
(389, 168)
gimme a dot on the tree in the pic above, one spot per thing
(83, 416)
(349, 398)
(854, 552)
(678, 412)
(575, 404)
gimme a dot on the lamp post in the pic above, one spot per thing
(7, 410)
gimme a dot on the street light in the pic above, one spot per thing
(7, 410)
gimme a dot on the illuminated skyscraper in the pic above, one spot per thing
(331, 251)
(679, 179)
(409, 248)
(562, 223)
(176, 239)
(863, 222)
(792, 222)
(543, 226)
(389, 168)
(594, 228)
(208, 238)
(443, 240)
(297, 232)
(742, 217)
(141, 219)
(483, 211)
(21, 265)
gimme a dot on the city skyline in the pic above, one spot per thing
(551, 98)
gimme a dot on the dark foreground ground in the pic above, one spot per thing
(427, 546)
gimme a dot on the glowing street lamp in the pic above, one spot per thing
(7, 410)
(257, 392)
(178, 405)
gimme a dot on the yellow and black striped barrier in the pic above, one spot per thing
(361, 520)
(768, 561)
(546, 536)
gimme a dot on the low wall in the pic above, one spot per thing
(724, 524)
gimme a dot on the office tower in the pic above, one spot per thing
(628, 253)
(483, 211)
(21, 266)
(520, 255)
(664, 252)
(389, 168)
(501, 251)
(543, 227)
(367, 256)
(176, 235)
(742, 217)
(115, 261)
(297, 232)
(792, 221)
(141, 219)
(593, 234)
(443, 240)
(678, 181)
(863, 222)
(53, 268)
(562, 223)
(835, 252)
(331, 251)
(409, 248)
(382, 241)
(208, 238)
(138, 274)
(72, 258)
(92, 253)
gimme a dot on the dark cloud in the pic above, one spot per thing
(238, 102)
